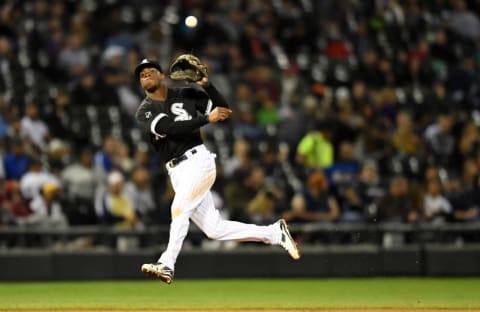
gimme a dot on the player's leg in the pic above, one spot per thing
(183, 206)
(191, 181)
(164, 268)
(208, 219)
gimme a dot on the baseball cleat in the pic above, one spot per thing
(158, 270)
(287, 241)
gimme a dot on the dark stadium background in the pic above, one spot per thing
(358, 121)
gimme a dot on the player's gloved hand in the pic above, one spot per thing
(219, 114)
(188, 67)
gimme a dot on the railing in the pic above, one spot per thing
(384, 234)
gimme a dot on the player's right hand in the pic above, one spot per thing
(219, 114)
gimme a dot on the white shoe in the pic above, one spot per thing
(158, 270)
(286, 241)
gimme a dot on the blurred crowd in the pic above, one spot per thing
(344, 111)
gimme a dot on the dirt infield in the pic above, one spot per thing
(271, 310)
(295, 310)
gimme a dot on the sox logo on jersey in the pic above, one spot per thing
(180, 112)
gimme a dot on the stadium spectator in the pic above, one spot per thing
(398, 205)
(15, 162)
(12, 82)
(13, 207)
(437, 100)
(404, 138)
(244, 122)
(297, 119)
(104, 158)
(278, 173)
(374, 139)
(465, 202)
(436, 208)
(58, 117)
(80, 181)
(6, 217)
(74, 58)
(440, 139)
(57, 155)
(240, 191)
(344, 171)
(83, 91)
(4, 122)
(113, 206)
(360, 200)
(46, 208)
(469, 173)
(463, 22)
(267, 115)
(33, 180)
(314, 203)
(139, 190)
(469, 141)
(369, 69)
(33, 128)
(315, 149)
(122, 158)
(239, 160)
(261, 209)
(346, 122)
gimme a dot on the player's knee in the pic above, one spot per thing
(213, 234)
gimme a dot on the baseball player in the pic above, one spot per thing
(172, 117)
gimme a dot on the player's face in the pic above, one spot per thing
(150, 79)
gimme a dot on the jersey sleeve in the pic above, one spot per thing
(160, 124)
(143, 117)
(164, 125)
(207, 98)
(215, 97)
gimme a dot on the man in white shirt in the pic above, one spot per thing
(33, 127)
(33, 180)
(46, 209)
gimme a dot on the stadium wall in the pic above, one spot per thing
(255, 262)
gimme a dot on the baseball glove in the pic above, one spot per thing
(188, 67)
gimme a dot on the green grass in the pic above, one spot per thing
(244, 293)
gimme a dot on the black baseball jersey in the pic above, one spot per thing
(173, 126)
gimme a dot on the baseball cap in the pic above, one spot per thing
(114, 177)
(49, 188)
(147, 63)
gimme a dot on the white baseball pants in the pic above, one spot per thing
(191, 181)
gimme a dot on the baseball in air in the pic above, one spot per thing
(191, 21)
